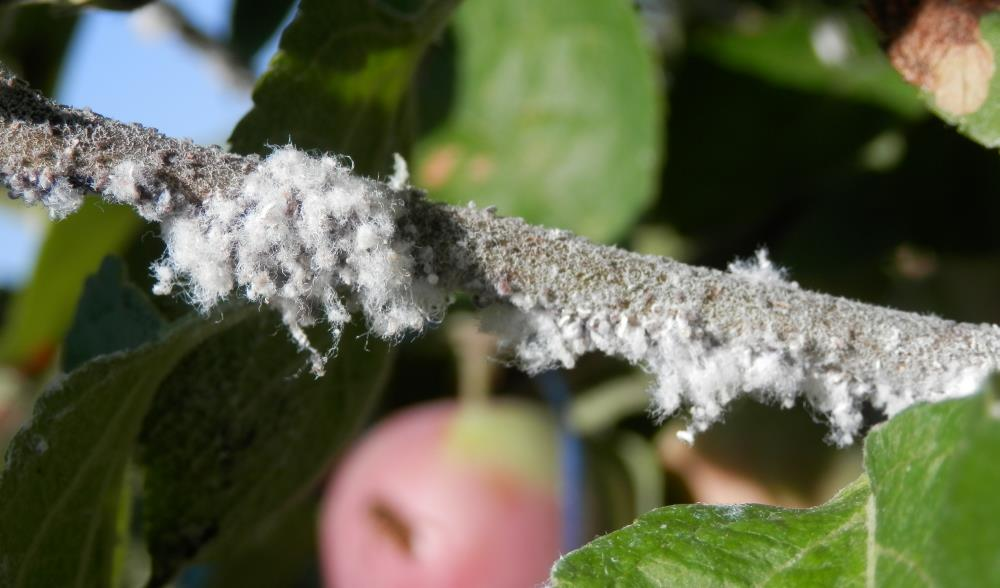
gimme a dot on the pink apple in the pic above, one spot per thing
(445, 496)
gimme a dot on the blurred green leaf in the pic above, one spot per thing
(33, 42)
(253, 22)
(702, 545)
(831, 52)
(765, 161)
(60, 491)
(238, 436)
(337, 83)
(934, 473)
(557, 115)
(738, 166)
(339, 79)
(939, 199)
(42, 311)
(920, 516)
(601, 407)
(645, 470)
(610, 490)
(113, 315)
(105, 4)
(284, 555)
(983, 124)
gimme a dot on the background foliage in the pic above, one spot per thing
(152, 428)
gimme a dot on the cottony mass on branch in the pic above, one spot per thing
(306, 235)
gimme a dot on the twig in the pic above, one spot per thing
(708, 336)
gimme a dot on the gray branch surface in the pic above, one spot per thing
(41, 140)
(707, 335)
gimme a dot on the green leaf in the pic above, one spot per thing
(924, 514)
(60, 492)
(239, 436)
(336, 84)
(557, 116)
(827, 52)
(935, 477)
(112, 316)
(33, 42)
(339, 79)
(983, 123)
(105, 4)
(284, 556)
(253, 22)
(949, 51)
(42, 311)
(703, 545)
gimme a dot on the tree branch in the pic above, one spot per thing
(304, 233)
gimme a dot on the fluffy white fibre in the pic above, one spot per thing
(761, 269)
(702, 374)
(315, 242)
(701, 370)
(47, 187)
(305, 236)
(125, 182)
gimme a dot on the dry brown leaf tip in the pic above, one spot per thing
(937, 45)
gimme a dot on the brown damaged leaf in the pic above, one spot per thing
(936, 45)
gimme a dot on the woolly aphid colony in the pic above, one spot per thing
(301, 233)
(305, 235)
(308, 237)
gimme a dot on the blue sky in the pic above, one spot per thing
(159, 82)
